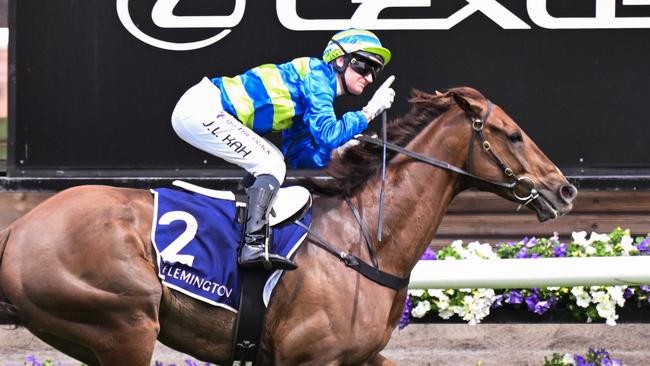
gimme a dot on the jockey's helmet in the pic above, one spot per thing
(356, 41)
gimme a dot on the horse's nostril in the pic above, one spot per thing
(568, 192)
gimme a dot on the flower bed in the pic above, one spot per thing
(595, 303)
(593, 357)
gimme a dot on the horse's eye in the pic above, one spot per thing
(515, 137)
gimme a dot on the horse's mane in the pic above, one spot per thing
(351, 170)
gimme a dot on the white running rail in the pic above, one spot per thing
(528, 273)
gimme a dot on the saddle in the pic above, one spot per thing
(291, 203)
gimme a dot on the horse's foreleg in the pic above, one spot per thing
(379, 360)
(130, 344)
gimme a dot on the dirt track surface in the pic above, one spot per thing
(431, 344)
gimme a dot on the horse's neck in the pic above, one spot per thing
(416, 198)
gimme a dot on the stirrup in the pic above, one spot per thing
(257, 256)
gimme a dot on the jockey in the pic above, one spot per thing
(225, 117)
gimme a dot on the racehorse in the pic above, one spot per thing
(80, 273)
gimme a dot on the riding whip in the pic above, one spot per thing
(380, 222)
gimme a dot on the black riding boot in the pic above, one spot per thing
(253, 252)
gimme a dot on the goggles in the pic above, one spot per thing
(364, 66)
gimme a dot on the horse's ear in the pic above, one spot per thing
(465, 105)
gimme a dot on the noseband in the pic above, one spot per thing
(477, 127)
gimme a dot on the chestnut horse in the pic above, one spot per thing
(79, 270)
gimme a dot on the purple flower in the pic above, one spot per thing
(32, 361)
(498, 301)
(514, 297)
(541, 307)
(643, 246)
(628, 293)
(560, 250)
(522, 253)
(429, 255)
(190, 363)
(532, 242)
(405, 319)
(158, 363)
(599, 353)
(580, 361)
(511, 243)
(531, 301)
(534, 255)
(645, 288)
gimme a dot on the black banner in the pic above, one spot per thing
(93, 83)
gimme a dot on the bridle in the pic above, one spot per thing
(387, 279)
(477, 124)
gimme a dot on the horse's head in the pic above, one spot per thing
(469, 131)
(500, 151)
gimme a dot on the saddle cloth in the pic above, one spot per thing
(196, 240)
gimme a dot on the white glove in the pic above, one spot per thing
(382, 99)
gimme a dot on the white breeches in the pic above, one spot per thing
(200, 120)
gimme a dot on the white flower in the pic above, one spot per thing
(475, 307)
(589, 250)
(457, 246)
(578, 290)
(611, 321)
(485, 251)
(416, 292)
(421, 309)
(607, 310)
(487, 293)
(436, 293)
(616, 293)
(477, 250)
(448, 312)
(598, 237)
(442, 303)
(579, 237)
(600, 297)
(626, 245)
(582, 298)
(568, 359)
(553, 288)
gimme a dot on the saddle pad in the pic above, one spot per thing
(196, 240)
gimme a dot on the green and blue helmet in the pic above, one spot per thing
(356, 41)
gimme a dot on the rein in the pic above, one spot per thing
(477, 127)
